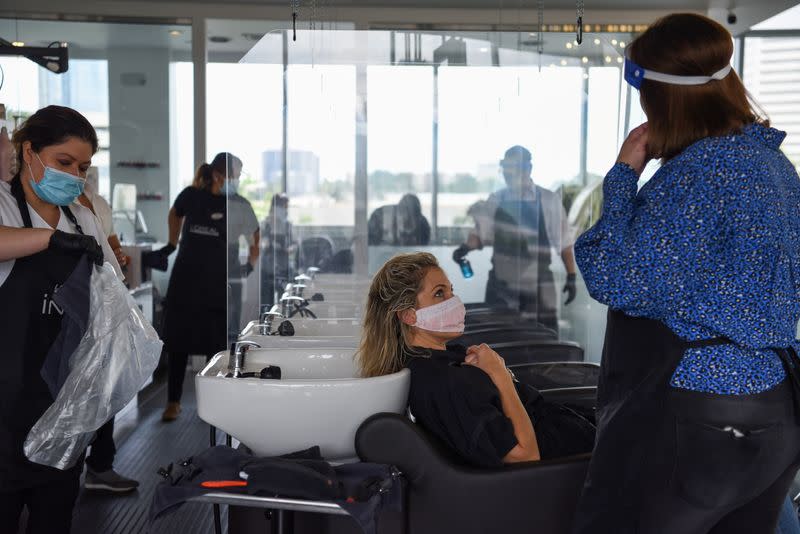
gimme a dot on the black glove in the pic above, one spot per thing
(460, 252)
(246, 269)
(166, 250)
(158, 259)
(570, 289)
(77, 244)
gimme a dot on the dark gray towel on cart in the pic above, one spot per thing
(361, 489)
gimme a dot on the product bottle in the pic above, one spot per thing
(466, 268)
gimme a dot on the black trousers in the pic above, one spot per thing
(103, 449)
(49, 506)
(176, 372)
(672, 461)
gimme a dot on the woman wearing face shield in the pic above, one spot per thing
(209, 216)
(43, 233)
(464, 396)
(698, 399)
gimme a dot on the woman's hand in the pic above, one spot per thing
(122, 259)
(487, 360)
(634, 152)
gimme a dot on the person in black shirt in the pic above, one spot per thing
(464, 396)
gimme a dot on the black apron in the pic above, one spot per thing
(644, 432)
(195, 318)
(29, 323)
(521, 245)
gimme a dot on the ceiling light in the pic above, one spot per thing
(619, 60)
(614, 42)
(17, 43)
(608, 59)
(622, 44)
(175, 33)
(569, 46)
(585, 59)
(563, 62)
(597, 41)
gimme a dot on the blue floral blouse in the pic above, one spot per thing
(711, 247)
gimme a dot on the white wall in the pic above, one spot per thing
(139, 127)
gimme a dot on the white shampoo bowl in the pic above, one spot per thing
(308, 334)
(317, 401)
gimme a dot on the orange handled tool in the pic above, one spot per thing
(224, 483)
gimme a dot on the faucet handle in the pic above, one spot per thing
(240, 347)
(312, 271)
(271, 314)
(302, 278)
(292, 298)
(297, 289)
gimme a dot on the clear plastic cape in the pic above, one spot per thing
(116, 355)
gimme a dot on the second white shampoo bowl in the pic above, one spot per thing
(317, 401)
(308, 333)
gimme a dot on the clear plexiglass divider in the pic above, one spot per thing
(352, 146)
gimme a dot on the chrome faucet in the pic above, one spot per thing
(236, 360)
(266, 319)
(297, 289)
(286, 303)
(312, 272)
(302, 278)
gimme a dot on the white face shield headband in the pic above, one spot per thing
(635, 75)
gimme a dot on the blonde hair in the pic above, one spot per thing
(385, 339)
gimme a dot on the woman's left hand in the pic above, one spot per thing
(634, 151)
(487, 360)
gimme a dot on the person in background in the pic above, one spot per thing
(100, 474)
(401, 225)
(466, 397)
(522, 222)
(195, 318)
(278, 246)
(242, 223)
(43, 234)
(698, 414)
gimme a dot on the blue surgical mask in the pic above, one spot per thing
(230, 187)
(57, 187)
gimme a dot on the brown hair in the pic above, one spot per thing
(385, 339)
(678, 115)
(52, 125)
(223, 163)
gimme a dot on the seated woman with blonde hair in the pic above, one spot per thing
(464, 396)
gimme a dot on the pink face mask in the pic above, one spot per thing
(447, 316)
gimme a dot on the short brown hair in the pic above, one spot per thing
(678, 115)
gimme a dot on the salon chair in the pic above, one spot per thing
(507, 332)
(538, 351)
(444, 495)
(552, 376)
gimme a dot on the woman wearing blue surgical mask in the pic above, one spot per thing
(464, 396)
(699, 397)
(209, 217)
(43, 234)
